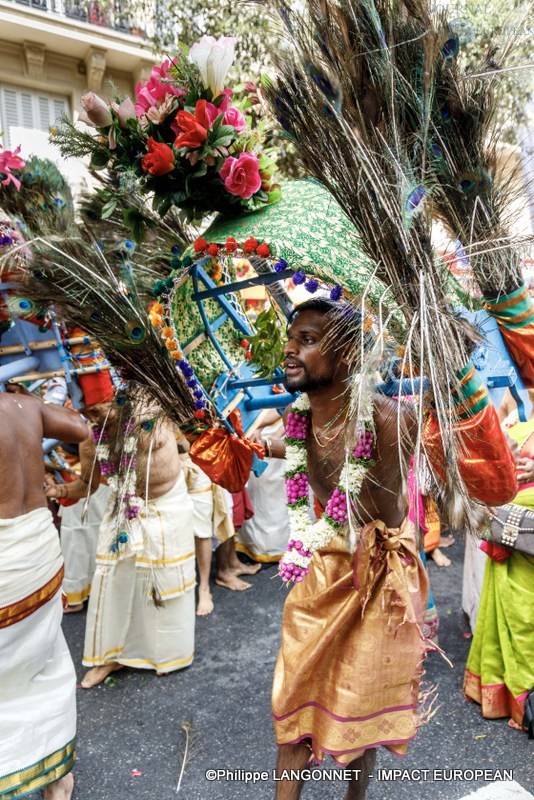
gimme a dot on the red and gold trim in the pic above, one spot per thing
(18, 611)
(496, 700)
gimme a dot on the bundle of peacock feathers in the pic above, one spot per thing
(364, 90)
(105, 290)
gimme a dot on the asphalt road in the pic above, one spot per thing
(129, 732)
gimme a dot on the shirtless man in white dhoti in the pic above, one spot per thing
(124, 625)
(37, 678)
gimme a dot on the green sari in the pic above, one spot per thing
(500, 666)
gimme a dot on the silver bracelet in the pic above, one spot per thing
(511, 527)
(523, 512)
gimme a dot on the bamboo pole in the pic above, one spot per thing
(46, 344)
(58, 373)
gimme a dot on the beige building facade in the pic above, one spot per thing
(51, 53)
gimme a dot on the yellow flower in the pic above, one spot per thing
(171, 344)
(167, 332)
(156, 320)
(177, 355)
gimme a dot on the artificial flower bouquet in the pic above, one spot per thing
(184, 139)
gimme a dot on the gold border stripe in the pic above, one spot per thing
(27, 780)
(18, 611)
(502, 306)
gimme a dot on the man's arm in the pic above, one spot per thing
(89, 479)
(62, 423)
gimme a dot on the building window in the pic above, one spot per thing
(26, 117)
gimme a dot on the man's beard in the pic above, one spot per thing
(307, 383)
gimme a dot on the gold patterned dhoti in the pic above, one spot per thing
(348, 671)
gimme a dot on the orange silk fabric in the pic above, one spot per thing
(348, 671)
(485, 461)
(225, 458)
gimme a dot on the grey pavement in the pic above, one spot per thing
(130, 740)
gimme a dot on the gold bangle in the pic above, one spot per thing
(267, 444)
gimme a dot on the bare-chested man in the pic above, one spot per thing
(141, 610)
(347, 675)
(37, 678)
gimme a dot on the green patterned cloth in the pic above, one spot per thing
(308, 229)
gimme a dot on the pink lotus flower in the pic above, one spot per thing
(10, 159)
(241, 175)
(95, 111)
(124, 111)
(235, 118)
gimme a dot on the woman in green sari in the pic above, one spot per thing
(500, 666)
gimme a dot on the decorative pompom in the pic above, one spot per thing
(336, 293)
(199, 245)
(212, 250)
(280, 265)
(231, 244)
(312, 285)
(263, 250)
(298, 278)
(250, 244)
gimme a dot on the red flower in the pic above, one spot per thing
(231, 244)
(199, 414)
(200, 245)
(212, 250)
(244, 343)
(248, 355)
(250, 244)
(159, 160)
(194, 126)
(263, 250)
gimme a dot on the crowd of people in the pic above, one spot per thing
(345, 700)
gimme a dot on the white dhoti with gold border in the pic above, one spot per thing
(37, 678)
(79, 540)
(124, 624)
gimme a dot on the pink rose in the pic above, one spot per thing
(95, 111)
(235, 118)
(241, 175)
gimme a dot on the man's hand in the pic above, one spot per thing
(525, 470)
(53, 490)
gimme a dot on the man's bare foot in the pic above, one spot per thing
(98, 674)
(205, 602)
(446, 541)
(229, 580)
(73, 609)
(245, 569)
(61, 789)
(439, 559)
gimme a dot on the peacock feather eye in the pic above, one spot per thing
(136, 332)
(21, 305)
(147, 425)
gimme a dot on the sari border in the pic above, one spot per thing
(16, 612)
(337, 718)
(40, 774)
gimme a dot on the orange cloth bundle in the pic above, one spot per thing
(520, 344)
(485, 461)
(226, 458)
(97, 388)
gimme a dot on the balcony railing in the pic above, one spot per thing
(115, 14)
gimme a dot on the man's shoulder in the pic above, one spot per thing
(389, 410)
